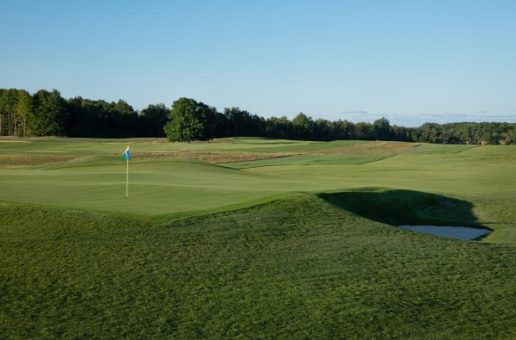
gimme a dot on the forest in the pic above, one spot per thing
(47, 113)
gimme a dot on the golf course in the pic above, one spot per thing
(255, 238)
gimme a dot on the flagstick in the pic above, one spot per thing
(127, 179)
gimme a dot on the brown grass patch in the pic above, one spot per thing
(375, 148)
(212, 157)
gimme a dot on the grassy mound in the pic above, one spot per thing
(289, 268)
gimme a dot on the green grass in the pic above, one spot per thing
(306, 160)
(397, 207)
(292, 247)
(289, 268)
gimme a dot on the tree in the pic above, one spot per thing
(430, 132)
(3, 110)
(208, 116)
(8, 99)
(323, 130)
(191, 120)
(123, 118)
(153, 118)
(303, 126)
(510, 136)
(23, 112)
(242, 123)
(12, 99)
(185, 121)
(123, 108)
(381, 129)
(342, 129)
(362, 131)
(278, 127)
(49, 113)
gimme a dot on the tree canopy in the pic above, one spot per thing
(191, 120)
(47, 113)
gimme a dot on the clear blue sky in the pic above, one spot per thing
(411, 61)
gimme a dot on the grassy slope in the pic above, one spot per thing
(303, 266)
(291, 268)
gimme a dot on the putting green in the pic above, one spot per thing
(168, 179)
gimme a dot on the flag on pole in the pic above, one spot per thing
(127, 154)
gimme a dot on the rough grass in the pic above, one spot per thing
(355, 153)
(287, 269)
(212, 157)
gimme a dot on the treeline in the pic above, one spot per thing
(466, 133)
(47, 113)
(192, 120)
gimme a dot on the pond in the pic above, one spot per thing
(461, 233)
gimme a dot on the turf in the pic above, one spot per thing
(289, 268)
(293, 246)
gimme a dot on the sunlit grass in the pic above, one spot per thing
(248, 237)
(289, 268)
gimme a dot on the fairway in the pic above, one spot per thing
(252, 237)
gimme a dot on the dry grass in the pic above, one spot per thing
(4, 140)
(218, 157)
(382, 148)
(212, 157)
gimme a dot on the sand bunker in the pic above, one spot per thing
(461, 233)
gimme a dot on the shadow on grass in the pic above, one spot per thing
(398, 207)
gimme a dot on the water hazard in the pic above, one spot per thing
(461, 233)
